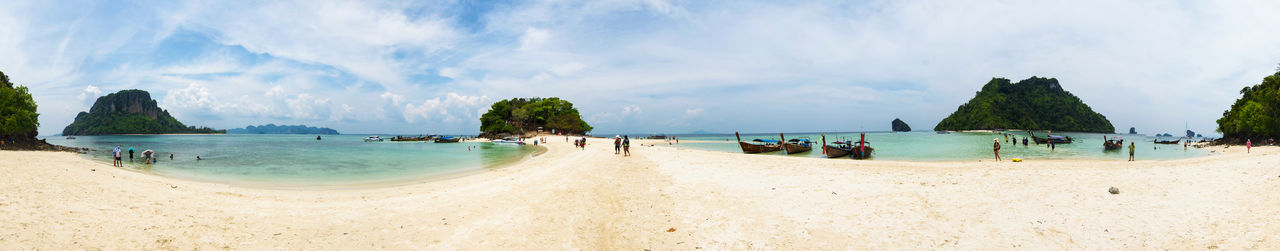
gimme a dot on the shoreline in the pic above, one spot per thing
(665, 198)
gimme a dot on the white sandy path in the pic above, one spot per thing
(593, 199)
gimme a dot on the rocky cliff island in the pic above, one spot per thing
(129, 112)
(1033, 104)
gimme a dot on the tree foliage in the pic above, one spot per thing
(1255, 115)
(1034, 104)
(128, 112)
(18, 115)
(519, 115)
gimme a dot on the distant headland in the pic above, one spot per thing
(1034, 104)
(129, 112)
(282, 129)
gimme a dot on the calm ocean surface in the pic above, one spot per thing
(929, 146)
(298, 160)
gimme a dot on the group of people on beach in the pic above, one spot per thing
(579, 143)
(117, 156)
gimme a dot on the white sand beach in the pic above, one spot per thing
(664, 198)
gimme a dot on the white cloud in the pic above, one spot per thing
(566, 69)
(89, 92)
(691, 113)
(396, 99)
(631, 110)
(193, 97)
(534, 38)
(452, 108)
(275, 91)
(305, 106)
(452, 72)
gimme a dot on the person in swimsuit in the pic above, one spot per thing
(997, 148)
(1248, 146)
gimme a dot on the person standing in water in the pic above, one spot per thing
(115, 154)
(997, 148)
(626, 146)
(1130, 151)
(1024, 141)
(130, 153)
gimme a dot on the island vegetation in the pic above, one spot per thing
(19, 121)
(1032, 104)
(1255, 115)
(519, 115)
(129, 112)
(282, 129)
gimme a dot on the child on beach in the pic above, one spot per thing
(997, 148)
(1130, 151)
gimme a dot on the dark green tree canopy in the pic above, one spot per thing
(1033, 104)
(1256, 115)
(18, 117)
(519, 115)
(128, 112)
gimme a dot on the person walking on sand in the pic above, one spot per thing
(997, 148)
(1130, 151)
(584, 143)
(626, 146)
(115, 154)
(1248, 146)
(617, 145)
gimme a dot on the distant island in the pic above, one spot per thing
(283, 129)
(1133, 130)
(129, 112)
(519, 115)
(1033, 104)
(1255, 116)
(899, 126)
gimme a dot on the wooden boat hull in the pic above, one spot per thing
(452, 140)
(835, 152)
(750, 148)
(1110, 146)
(796, 148)
(1168, 142)
(861, 152)
(1040, 140)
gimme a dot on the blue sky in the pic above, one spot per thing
(634, 66)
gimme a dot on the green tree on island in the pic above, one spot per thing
(519, 115)
(1033, 104)
(1255, 115)
(18, 117)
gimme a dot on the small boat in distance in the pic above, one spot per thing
(835, 149)
(509, 141)
(1170, 142)
(862, 149)
(796, 145)
(1055, 139)
(1114, 143)
(942, 132)
(758, 145)
(448, 140)
(71, 137)
(374, 138)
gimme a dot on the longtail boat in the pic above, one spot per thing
(1055, 139)
(448, 139)
(758, 145)
(1158, 141)
(795, 145)
(862, 149)
(1114, 143)
(835, 149)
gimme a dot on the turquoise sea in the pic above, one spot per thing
(298, 160)
(963, 146)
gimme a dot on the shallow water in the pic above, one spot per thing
(298, 160)
(929, 146)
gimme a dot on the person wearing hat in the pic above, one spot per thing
(997, 148)
(617, 144)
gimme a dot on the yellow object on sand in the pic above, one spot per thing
(1017, 160)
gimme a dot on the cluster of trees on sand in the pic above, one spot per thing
(1256, 115)
(519, 115)
(1034, 103)
(18, 117)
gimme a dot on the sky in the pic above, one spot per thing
(644, 66)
